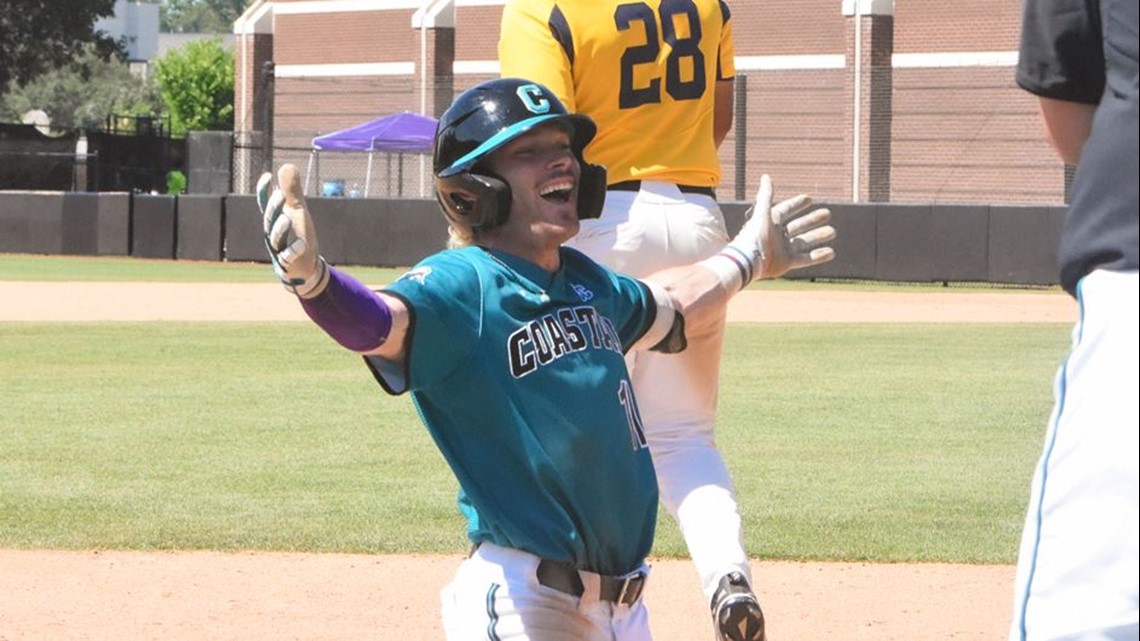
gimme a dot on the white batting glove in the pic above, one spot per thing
(775, 240)
(290, 235)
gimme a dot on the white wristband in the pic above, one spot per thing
(663, 320)
(732, 267)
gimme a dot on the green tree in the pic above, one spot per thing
(197, 84)
(43, 34)
(83, 92)
(200, 16)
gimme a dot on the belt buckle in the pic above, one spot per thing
(631, 586)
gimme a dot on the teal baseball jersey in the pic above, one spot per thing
(520, 377)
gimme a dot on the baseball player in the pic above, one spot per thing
(1077, 573)
(657, 78)
(511, 347)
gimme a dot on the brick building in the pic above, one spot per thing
(849, 100)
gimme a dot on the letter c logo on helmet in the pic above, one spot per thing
(532, 96)
(483, 119)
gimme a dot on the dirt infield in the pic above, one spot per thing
(74, 302)
(130, 596)
(184, 596)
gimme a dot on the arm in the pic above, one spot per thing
(358, 318)
(725, 97)
(367, 322)
(723, 109)
(774, 241)
(1061, 61)
(1067, 126)
(693, 291)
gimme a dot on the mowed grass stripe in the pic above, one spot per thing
(846, 442)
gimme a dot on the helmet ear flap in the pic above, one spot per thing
(472, 200)
(591, 190)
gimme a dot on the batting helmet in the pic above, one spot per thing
(486, 117)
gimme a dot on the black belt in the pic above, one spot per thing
(615, 589)
(635, 185)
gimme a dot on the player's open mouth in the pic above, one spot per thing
(557, 192)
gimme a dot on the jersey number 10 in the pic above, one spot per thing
(680, 48)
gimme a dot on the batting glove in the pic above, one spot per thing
(290, 235)
(775, 240)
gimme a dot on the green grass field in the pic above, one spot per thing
(886, 443)
(25, 267)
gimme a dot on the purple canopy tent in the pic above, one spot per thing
(405, 132)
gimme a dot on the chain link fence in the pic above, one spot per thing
(922, 132)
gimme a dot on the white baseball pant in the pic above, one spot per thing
(1078, 567)
(638, 233)
(495, 596)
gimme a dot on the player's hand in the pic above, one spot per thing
(787, 236)
(290, 235)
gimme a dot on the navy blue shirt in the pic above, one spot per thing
(1086, 51)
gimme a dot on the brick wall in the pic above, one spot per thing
(942, 121)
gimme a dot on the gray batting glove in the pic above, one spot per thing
(290, 235)
(777, 239)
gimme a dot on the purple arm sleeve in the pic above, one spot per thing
(349, 312)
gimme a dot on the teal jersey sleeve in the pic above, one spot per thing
(519, 375)
(444, 301)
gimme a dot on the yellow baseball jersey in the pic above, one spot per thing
(645, 71)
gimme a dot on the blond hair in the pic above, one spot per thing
(459, 236)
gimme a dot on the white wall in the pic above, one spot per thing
(138, 23)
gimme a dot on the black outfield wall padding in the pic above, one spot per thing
(959, 247)
(30, 222)
(396, 233)
(114, 228)
(384, 233)
(200, 224)
(79, 229)
(153, 226)
(83, 224)
(333, 218)
(244, 239)
(904, 244)
(96, 224)
(855, 243)
(1023, 243)
(877, 241)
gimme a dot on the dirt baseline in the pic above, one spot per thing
(191, 596)
(137, 301)
(73, 596)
